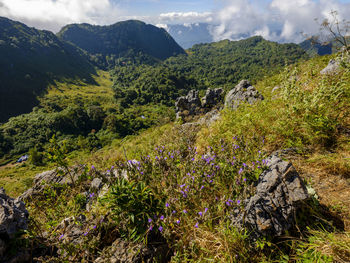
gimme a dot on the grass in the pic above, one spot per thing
(309, 112)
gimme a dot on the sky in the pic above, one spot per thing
(277, 20)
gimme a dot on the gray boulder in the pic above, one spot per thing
(13, 216)
(279, 194)
(212, 98)
(243, 92)
(189, 104)
(332, 67)
(56, 176)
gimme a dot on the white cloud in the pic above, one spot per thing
(52, 14)
(186, 17)
(281, 20)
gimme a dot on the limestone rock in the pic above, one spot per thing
(332, 67)
(52, 177)
(190, 103)
(243, 92)
(212, 98)
(13, 215)
(279, 193)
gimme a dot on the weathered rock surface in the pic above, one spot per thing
(13, 218)
(13, 215)
(191, 105)
(279, 194)
(243, 92)
(52, 177)
(332, 67)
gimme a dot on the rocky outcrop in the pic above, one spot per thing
(332, 67)
(243, 92)
(279, 194)
(191, 105)
(56, 176)
(13, 219)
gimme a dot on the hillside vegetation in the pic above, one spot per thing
(30, 60)
(121, 42)
(187, 169)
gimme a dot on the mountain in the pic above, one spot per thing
(188, 35)
(128, 40)
(312, 47)
(30, 59)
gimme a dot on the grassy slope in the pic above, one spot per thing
(310, 125)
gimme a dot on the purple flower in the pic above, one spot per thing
(192, 159)
(112, 167)
(184, 211)
(240, 171)
(178, 221)
(108, 171)
(244, 179)
(167, 205)
(160, 228)
(244, 164)
(238, 202)
(92, 195)
(172, 157)
(143, 117)
(228, 203)
(174, 212)
(205, 210)
(150, 228)
(183, 185)
(94, 227)
(161, 218)
(196, 225)
(149, 220)
(85, 234)
(92, 167)
(202, 187)
(200, 213)
(61, 236)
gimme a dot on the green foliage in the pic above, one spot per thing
(35, 157)
(208, 65)
(30, 60)
(121, 43)
(133, 204)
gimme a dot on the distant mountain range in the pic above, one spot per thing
(31, 58)
(188, 35)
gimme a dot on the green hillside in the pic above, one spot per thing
(118, 43)
(222, 64)
(30, 60)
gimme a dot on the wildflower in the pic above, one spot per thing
(244, 179)
(244, 164)
(92, 195)
(143, 117)
(192, 159)
(178, 221)
(174, 212)
(228, 203)
(184, 211)
(112, 167)
(238, 202)
(108, 171)
(183, 185)
(94, 227)
(196, 225)
(162, 217)
(160, 228)
(210, 181)
(172, 156)
(240, 171)
(141, 173)
(200, 213)
(167, 205)
(202, 187)
(61, 236)
(150, 228)
(205, 210)
(92, 167)
(149, 220)
(85, 234)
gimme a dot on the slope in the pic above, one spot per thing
(115, 44)
(30, 59)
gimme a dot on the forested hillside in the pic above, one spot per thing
(30, 59)
(121, 42)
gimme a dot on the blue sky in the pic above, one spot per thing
(279, 20)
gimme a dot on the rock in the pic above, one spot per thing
(212, 98)
(243, 92)
(56, 176)
(123, 252)
(332, 67)
(279, 194)
(189, 104)
(209, 118)
(96, 184)
(13, 216)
